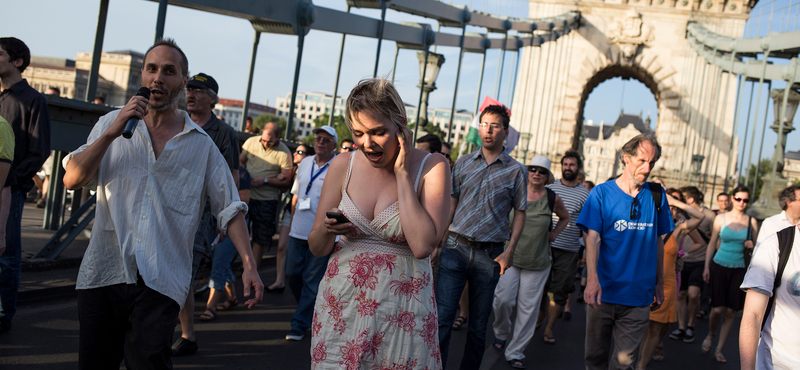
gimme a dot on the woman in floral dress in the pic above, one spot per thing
(375, 309)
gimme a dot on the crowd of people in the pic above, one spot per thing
(382, 263)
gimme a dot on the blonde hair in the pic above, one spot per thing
(377, 95)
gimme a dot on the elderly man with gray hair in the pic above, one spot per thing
(624, 220)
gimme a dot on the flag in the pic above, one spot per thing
(474, 138)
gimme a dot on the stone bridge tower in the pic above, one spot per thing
(640, 39)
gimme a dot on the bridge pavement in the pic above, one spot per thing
(45, 336)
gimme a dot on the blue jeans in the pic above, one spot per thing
(10, 260)
(221, 274)
(303, 274)
(457, 265)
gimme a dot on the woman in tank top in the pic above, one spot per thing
(375, 307)
(725, 268)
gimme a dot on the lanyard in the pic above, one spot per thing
(315, 175)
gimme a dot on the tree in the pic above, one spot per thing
(762, 171)
(265, 118)
(338, 124)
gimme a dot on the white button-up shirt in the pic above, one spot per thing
(771, 226)
(148, 209)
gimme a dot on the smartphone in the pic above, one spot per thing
(340, 219)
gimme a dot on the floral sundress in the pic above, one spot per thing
(375, 309)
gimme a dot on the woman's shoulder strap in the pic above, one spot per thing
(419, 172)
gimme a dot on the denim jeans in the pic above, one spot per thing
(221, 274)
(457, 265)
(10, 260)
(303, 274)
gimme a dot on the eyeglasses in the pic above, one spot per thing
(301, 152)
(634, 213)
(494, 126)
(744, 200)
(264, 141)
(347, 148)
(195, 89)
(322, 139)
(540, 171)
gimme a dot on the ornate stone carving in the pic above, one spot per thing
(630, 33)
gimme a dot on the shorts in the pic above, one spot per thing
(562, 274)
(263, 213)
(725, 283)
(286, 220)
(692, 275)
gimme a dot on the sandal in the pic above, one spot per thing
(498, 345)
(460, 321)
(706, 347)
(658, 355)
(517, 363)
(208, 315)
(549, 340)
(719, 356)
(227, 305)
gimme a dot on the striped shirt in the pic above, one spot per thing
(486, 194)
(148, 210)
(573, 198)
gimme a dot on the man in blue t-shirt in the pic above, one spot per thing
(624, 257)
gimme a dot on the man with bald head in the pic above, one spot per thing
(266, 157)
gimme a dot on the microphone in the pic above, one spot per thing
(131, 125)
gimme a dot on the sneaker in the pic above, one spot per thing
(689, 337)
(294, 337)
(183, 347)
(678, 334)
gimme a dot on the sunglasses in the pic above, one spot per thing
(745, 200)
(323, 139)
(301, 152)
(634, 213)
(347, 148)
(540, 171)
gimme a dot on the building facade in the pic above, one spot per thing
(119, 75)
(231, 111)
(791, 166)
(310, 105)
(602, 143)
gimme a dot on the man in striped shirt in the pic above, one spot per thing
(564, 249)
(487, 185)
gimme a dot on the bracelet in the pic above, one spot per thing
(266, 180)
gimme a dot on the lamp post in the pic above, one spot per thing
(788, 100)
(429, 66)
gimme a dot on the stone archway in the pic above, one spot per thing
(639, 39)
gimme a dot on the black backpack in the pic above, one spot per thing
(785, 241)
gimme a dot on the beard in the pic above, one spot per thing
(569, 175)
(172, 101)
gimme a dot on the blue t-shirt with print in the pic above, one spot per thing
(628, 257)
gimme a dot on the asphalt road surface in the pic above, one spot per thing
(45, 336)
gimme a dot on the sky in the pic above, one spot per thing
(221, 46)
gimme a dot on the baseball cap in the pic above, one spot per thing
(543, 162)
(204, 81)
(329, 130)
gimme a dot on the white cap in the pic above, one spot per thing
(329, 130)
(543, 162)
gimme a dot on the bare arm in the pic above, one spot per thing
(323, 233)
(505, 258)
(712, 248)
(755, 305)
(754, 225)
(697, 216)
(697, 240)
(593, 288)
(563, 219)
(82, 167)
(242, 159)
(237, 231)
(235, 174)
(659, 275)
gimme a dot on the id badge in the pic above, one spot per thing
(304, 204)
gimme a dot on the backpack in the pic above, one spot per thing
(785, 241)
(655, 191)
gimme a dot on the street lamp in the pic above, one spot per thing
(788, 100)
(428, 71)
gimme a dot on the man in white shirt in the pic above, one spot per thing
(151, 190)
(303, 270)
(779, 343)
(789, 200)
